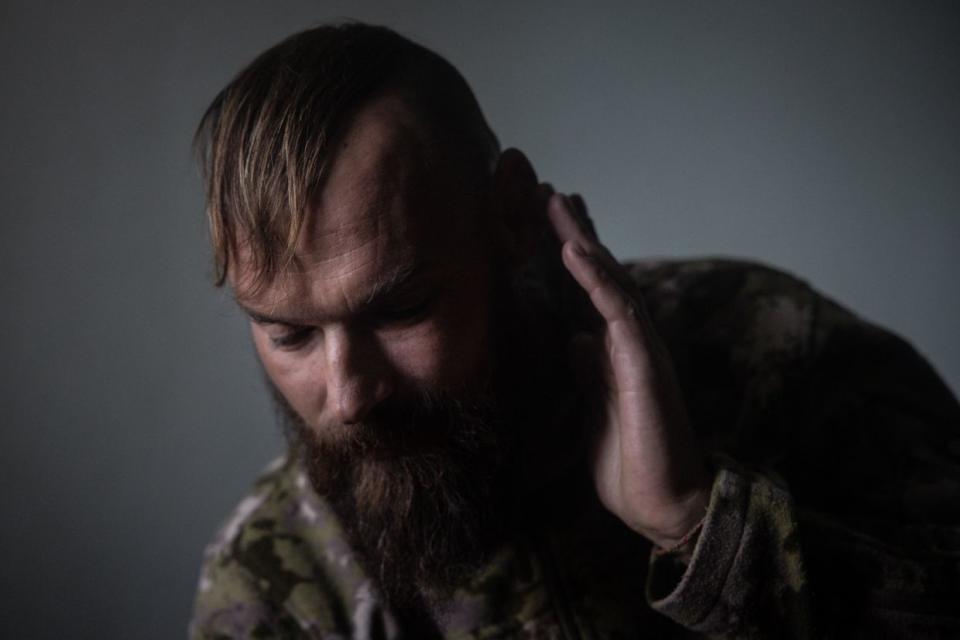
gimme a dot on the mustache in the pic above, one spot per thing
(421, 423)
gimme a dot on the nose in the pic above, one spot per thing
(358, 377)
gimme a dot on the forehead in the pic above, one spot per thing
(389, 204)
(376, 185)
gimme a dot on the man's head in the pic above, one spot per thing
(367, 222)
(268, 140)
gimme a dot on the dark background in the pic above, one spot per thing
(821, 137)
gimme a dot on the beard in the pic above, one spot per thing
(429, 484)
(419, 487)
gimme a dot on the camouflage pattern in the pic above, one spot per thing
(835, 511)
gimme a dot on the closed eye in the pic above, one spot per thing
(405, 313)
(292, 337)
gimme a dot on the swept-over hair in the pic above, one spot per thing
(266, 142)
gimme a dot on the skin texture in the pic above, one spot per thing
(337, 339)
(335, 335)
(646, 463)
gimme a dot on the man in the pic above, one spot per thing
(497, 430)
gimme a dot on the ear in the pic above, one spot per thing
(520, 213)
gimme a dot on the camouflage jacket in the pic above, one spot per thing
(835, 510)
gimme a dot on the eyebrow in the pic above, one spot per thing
(387, 286)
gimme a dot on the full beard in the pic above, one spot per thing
(429, 484)
(420, 487)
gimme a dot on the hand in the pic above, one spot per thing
(647, 467)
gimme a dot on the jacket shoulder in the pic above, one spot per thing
(762, 314)
(280, 564)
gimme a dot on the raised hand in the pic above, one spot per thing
(647, 467)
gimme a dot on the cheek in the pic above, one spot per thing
(296, 378)
(445, 352)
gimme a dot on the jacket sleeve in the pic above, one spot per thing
(843, 520)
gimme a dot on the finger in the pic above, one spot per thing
(544, 191)
(566, 226)
(610, 300)
(570, 222)
(583, 216)
(564, 218)
(629, 344)
(542, 198)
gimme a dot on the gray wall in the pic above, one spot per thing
(821, 138)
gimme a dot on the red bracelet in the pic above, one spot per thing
(657, 551)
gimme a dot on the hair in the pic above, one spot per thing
(267, 141)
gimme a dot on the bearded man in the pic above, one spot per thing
(496, 430)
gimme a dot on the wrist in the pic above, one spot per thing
(685, 545)
(685, 525)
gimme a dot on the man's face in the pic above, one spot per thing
(379, 346)
(391, 287)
